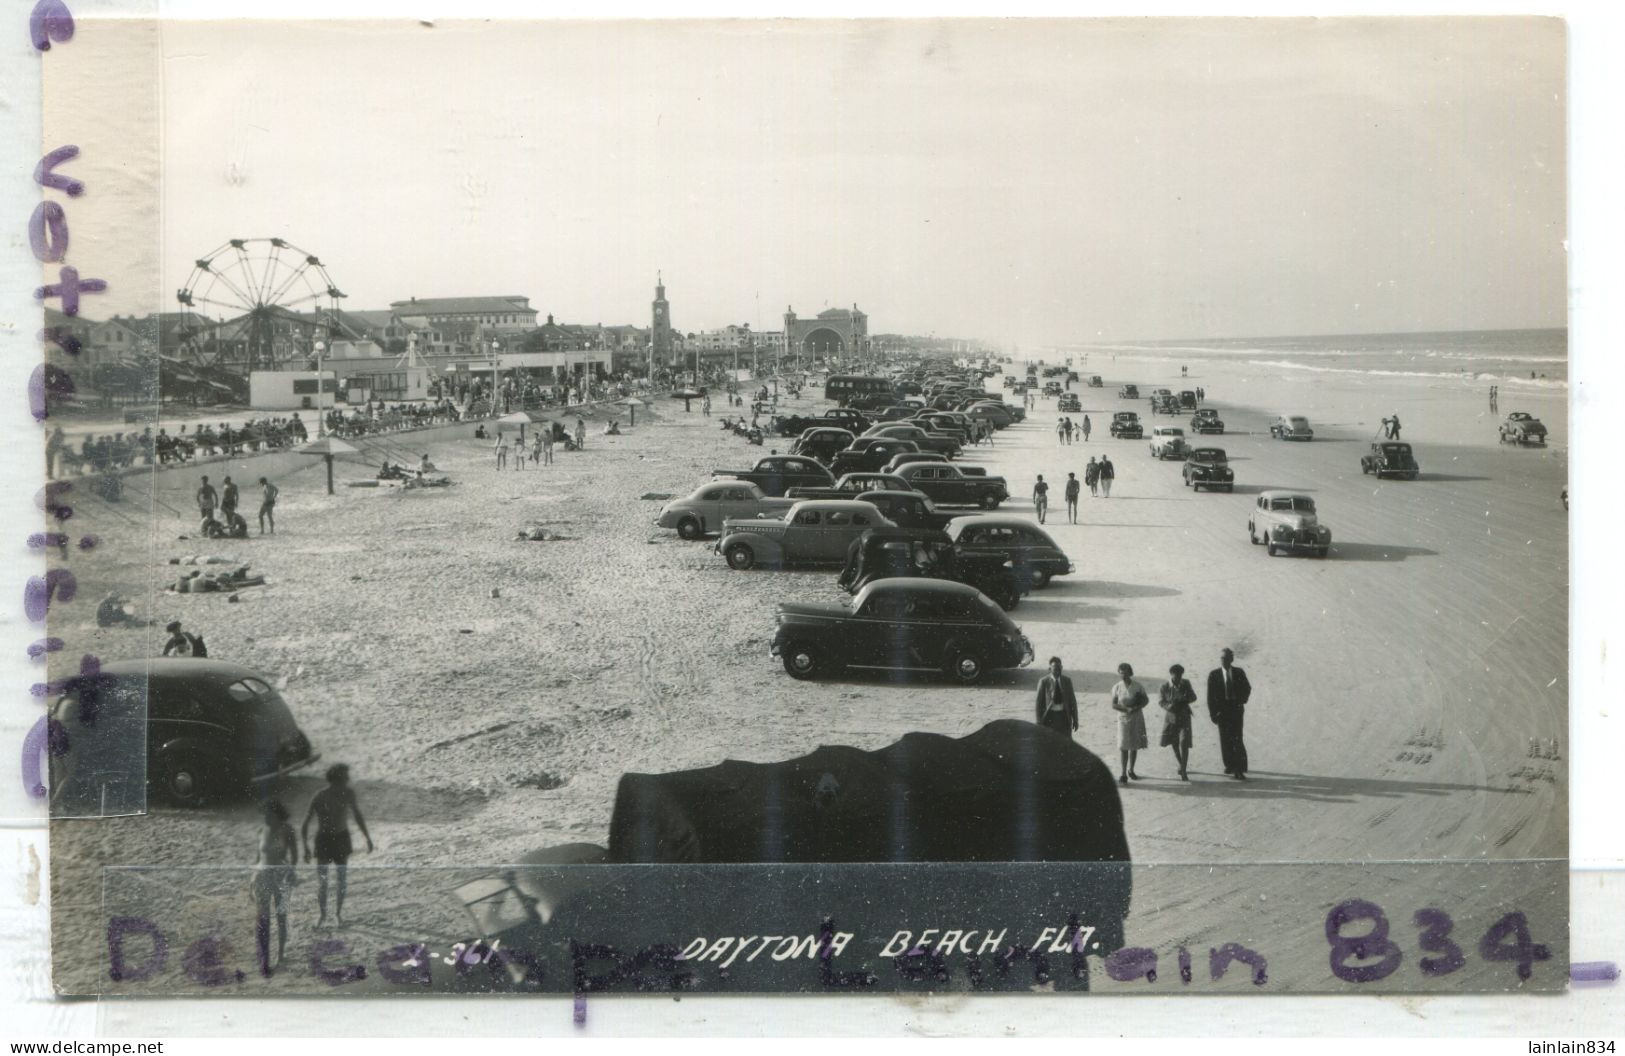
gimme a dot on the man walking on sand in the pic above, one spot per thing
(206, 500)
(1072, 490)
(1108, 473)
(1040, 497)
(1227, 693)
(268, 494)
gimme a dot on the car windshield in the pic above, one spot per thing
(247, 690)
(1208, 454)
(1299, 423)
(1396, 450)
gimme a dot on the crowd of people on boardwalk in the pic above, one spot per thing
(1228, 691)
(122, 450)
(379, 417)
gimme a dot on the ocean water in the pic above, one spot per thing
(1492, 356)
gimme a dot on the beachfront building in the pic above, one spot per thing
(833, 335)
(505, 314)
(291, 390)
(667, 348)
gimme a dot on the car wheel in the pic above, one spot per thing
(802, 660)
(1040, 579)
(1269, 545)
(990, 502)
(1007, 596)
(965, 666)
(689, 528)
(183, 779)
(740, 557)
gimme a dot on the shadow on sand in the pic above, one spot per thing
(1448, 477)
(1105, 588)
(1377, 552)
(1269, 784)
(1257, 489)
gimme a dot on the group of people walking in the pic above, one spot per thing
(274, 876)
(1227, 694)
(1066, 430)
(1097, 476)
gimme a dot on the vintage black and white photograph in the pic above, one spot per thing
(815, 506)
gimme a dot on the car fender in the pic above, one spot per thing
(768, 550)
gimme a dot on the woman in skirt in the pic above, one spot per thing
(1176, 697)
(1129, 700)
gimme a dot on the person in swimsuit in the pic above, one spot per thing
(330, 809)
(273, 875)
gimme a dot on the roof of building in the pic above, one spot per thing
(462, 305)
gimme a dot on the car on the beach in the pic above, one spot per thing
(1164, 403)
(1028, 548)
(1129, 392)
(213, 730)
(1000, 416)
(1052, 388)
(1208, 467)
(1009, 381)
(777, 474)
(1126, 426)
(1187, 399)
(707, 506)
(950, 485)
(850, 486)
(1523, 429)
(895, 413)
(1095, 382)
(812, 532)
(1206, 421)
(1291, 427)
(868, 453)
(1168, 442)
(1069, 402)
(847, 418)
(1286, 522)
(1390, 458)
(908, 509)
(901, 624)
(927, 439)
(822, 443)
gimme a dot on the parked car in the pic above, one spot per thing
(1126, 426)
(895, 413)
(950, 486)
(1291, 427)
(928, 440)
(1072, 376)
(1164, 403)
(1129, 392)
(812, 532)
(1285, 521)
(1052, 388)
(777, 474)
(1028, 548)
(849, 486)
(213, 730)
(908, 509)
(997, 413)
(901, 625)
(1009, 381)
(1523, 428)
(822, 444)
(1390, 458)
(889, 553)
(1069, 403)
(867, 454)
(1207, 467)
(1187, 399)
(1168, 441)
(1095, 382)
(848, 419)
(707, 506)
(1207, 421)
(1160, 392)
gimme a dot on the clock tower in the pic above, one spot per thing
(660, 328)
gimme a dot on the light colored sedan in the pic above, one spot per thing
(710, 504)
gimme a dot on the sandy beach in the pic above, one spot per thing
(1410, 691)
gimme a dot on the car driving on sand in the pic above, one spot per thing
(1291, 427)
(901, 625)
(1206, 421)
(1523, 429)
(1129, 392)
(1286, 522)
(1168, 441)
(1390, 458)
(1126, 426)
(1208, 467)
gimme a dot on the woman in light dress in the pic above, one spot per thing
(1129, 700)
(273, 875)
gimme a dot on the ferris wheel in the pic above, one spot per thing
(259, 287)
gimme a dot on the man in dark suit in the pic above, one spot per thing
(1227, 693)
(1057, 704)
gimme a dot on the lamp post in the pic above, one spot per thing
(321, 414)
(495, 374)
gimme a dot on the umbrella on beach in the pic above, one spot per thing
(632, 403)
(521, 419)
(328, 447)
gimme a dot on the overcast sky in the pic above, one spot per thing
(1039, 182)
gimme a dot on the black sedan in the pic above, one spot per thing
(213, 729)
(901, 625)
(1388, 458)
